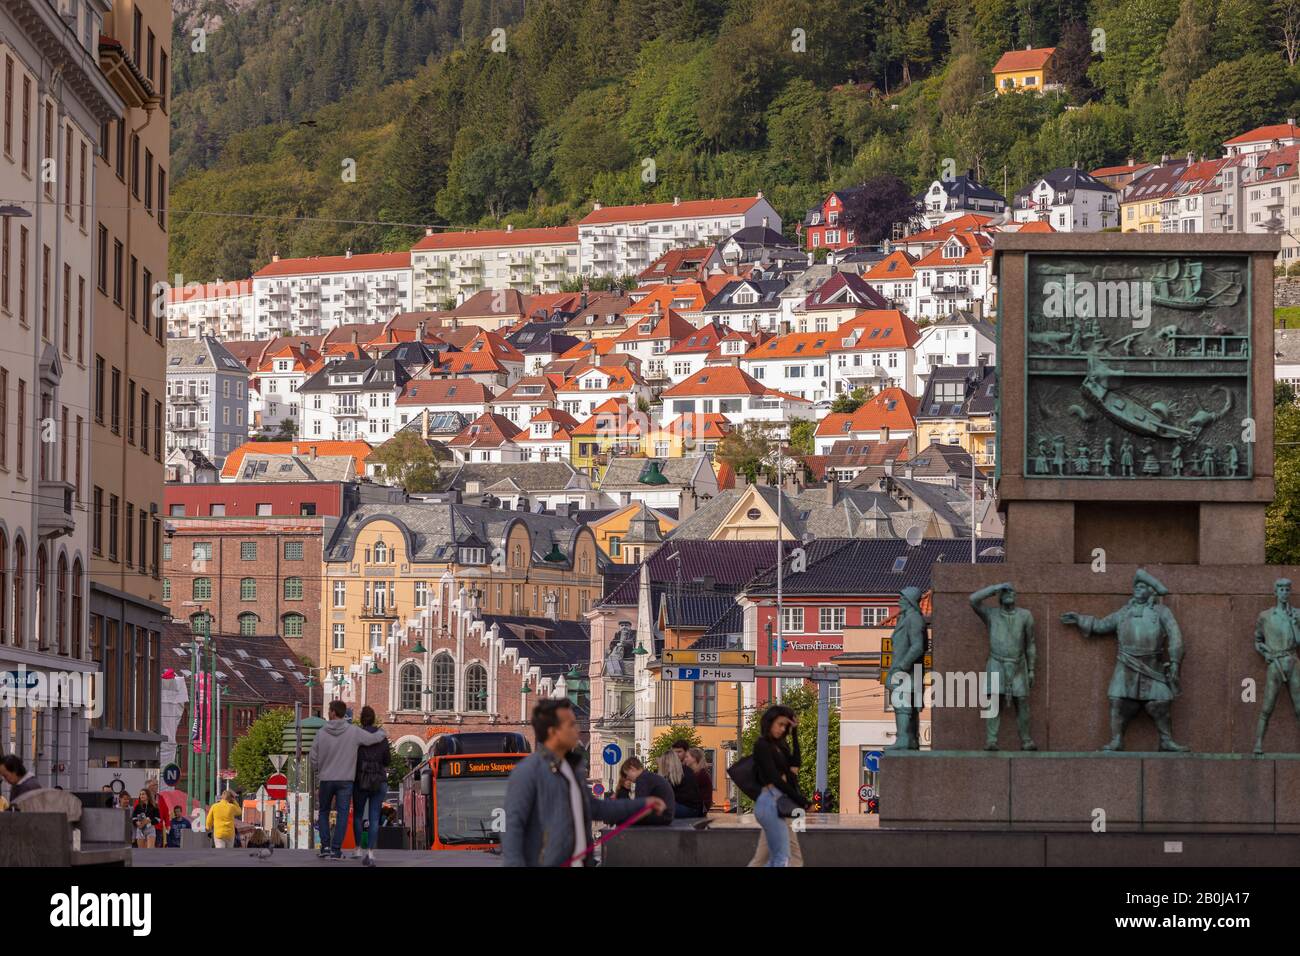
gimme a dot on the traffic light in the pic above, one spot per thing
(817, 801)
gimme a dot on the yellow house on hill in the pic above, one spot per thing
(1028, 69)
(612, 530)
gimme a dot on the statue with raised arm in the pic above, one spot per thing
(1149, 655)
(1012, 659)
(900, 684)
(1277, 634)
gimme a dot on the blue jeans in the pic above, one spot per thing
(369, 802)
(769, 818)
(331, 791)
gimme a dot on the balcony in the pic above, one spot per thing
(369, 613)
(55, 508)
(347, 411)
(183, 400)
(951, 290)
(551, 258)
(438, 281)
(180, 426)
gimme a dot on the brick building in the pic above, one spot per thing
(249, 555)
(464, 671)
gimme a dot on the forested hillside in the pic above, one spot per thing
(411, 112)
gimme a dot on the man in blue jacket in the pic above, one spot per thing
(548, 806)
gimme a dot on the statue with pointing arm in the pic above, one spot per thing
(1147, 662)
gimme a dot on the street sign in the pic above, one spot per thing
(229, 774)
(277, 786)
(887, 657)
(690, 658)
(865, 793)
(612, 754)
(597, 789)
(171, 775)
(277, 760)
(871, 760)
(741, 674)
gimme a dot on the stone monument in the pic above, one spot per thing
(1135, 462)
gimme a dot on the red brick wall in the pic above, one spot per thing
(269, 571)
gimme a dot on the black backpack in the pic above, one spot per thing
(371, 761)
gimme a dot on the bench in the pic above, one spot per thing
(45, 839)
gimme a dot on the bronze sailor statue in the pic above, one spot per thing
(1149, 655)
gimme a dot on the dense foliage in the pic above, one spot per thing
(306, 111)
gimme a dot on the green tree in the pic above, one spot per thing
(846, 403)
(801, 436)
(664, 741)
(249, 756)
(1187, 48)
(803, 701)
(745, 449)
(1283, 394)
(1234, 97)
(408, 462)
(485, 180)
(1282, 519)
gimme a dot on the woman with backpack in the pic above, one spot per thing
(369, 788)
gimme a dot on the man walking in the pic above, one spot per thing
(548, 809)
(1277, 638)
(334, 764)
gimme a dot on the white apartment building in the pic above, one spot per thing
(875, 351)
(894, 277)
(1070, 200)
(625, 240)
(207, 398)
(949, 198)
(727, 390)
(314, 295)
(279, 376)
(959, 339)
(955, 276)
(55, 100)
(351, 400)
(798, 364)
(1263, 139)
(1189, 207)
(449, 267)
(223, 309)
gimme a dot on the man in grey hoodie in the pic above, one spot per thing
(334, 764)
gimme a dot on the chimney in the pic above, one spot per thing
(595, 207)
(764, 218)
(424, 424)
(510, 227)
(689, 501)
(275, 257)
(759, 194)
(832, 489)
(677, 200)
(421, 331)
(295, 449)
(313, 452)
(302, 349)
(428, 230)
(347, 254)
(1029, 46)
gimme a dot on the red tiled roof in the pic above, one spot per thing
(669, 326)
(723, 380)
(1264, 134)
(967, 222)
(890, 408)
(881, 328)
(1024, 59)
(210, 290)
(490, 238)
(619, 378)
(700, 425)
(975, 254)
(705, 339)
(486, 431)
(444, 391)
(677, 263)
(896, 265)
(671, 298)
(369, 262)
(794, 345)
(512, 394)
(686, 209)
(613, 417)
(357, 450)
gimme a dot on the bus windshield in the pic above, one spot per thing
(466, 807)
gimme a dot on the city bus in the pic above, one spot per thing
(455, 798)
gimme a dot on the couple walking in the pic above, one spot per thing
(351, 764)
